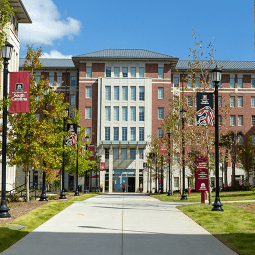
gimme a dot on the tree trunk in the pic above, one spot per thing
(226, 172)
(233, 172)
(209, 187)
(27, 185)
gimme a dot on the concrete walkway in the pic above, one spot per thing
(119, 224)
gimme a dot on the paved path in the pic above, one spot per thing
(119, 224)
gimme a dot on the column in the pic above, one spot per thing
(137, 170)
(110, 169)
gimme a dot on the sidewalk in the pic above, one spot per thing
(119, 224)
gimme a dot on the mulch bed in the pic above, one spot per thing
(247, 207)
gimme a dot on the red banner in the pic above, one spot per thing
(163, 149)
(19, 91)
(92, 148)
(102, 166)
(201, 173)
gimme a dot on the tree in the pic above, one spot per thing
(36, 142)
(246, 156)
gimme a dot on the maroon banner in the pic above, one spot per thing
(19, 91)
(92, 148)
(102, 166)
(163, 148)
(201, 173)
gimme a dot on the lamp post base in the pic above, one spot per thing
(217, 206)
(76, 193)
(169, 193)
(184, 196)
(85, 191)
(4, 210)
(62, 195)
(43, 196)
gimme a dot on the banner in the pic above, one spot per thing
(205, 114)
(201, 173)
(102, 166)
(19, 91)
(163, 149)
(71, 139)
(92, 148)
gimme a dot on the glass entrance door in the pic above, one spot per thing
(120, 177)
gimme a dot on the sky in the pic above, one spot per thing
(67, 28)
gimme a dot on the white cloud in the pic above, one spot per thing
(47, 25)
(55, 54)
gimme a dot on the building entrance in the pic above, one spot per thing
(123, 180)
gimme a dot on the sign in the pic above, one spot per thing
(71, 139)
(205, 114)
(102, 166)
(92, 148)
(19, 91)
(163, 148)
(201, 173)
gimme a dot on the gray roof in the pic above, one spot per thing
(124, 54)
(21, 12)
(53, 62)
(225, 64)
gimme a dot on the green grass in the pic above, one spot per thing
(234, 226)
(196, 197)
(20, 227)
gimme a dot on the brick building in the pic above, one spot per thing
(122, 97)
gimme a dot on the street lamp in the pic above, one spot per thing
(216, 78)
(183, 117)
(77, 164)
(6, 53)
(169, 163)
(152, 156)
(161, 174)
(85, 182)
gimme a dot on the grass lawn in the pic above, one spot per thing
(196, 197)
(235, 227)
(20, 227)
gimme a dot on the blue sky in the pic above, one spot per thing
(67, 28)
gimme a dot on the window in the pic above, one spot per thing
(197, 81)
(133, 93)
(89, 72)
(210, 83)
(141, 72)
(160, 113)
(59, 81)
(176, 182)
(253, 139)
(160, 93)
(253, 120)
(190, 121)
(116, 113)
(141, 133)
(161, 72)
(88, 131)
(220, 120)
(124, 113)
(252, 101)
(88, 113)
(108, 113)
(160, 133)
(240, 139)
(253, 83)
(240, 83)
(37, 115)
(232, 102)
(107, 133)
(176, 82)
(141, 153)
(141, 113)
(72, 100)
(125, 72)
(37, 98)
(107, 93)
(232, 120)
(116, 93)
(106, 153)
(125, 93)
(190, 101)
(88, 92)
(38, 78)
(232, 83)
(115, 153)
(116, 72)
(73, 81)
(133, 113)
(108, 71)
(124, 134)
(133, 72)
(240, 101)
(116, 134)
(240, 120)
(132, 153)
(220, 101)
(141, 93)
(51, 80)
(133, 133)
(124, 153)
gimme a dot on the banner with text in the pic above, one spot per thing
(71, 138)
(201, 173)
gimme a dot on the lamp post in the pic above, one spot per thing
(169, 163)
(183, 116)
(85, 181)
(216, 78)
(152, 156)
(77, 163)
(6, 53)
(161, 174)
